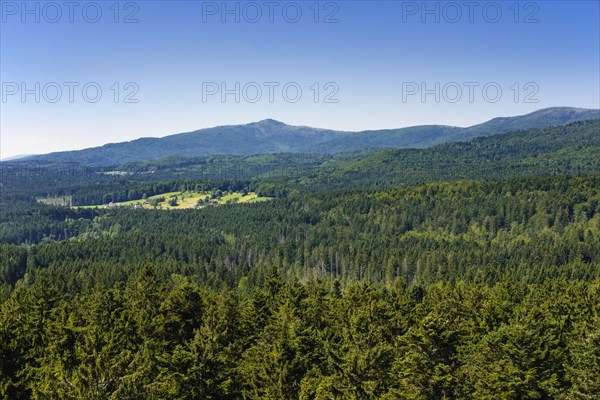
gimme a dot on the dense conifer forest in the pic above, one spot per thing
(464, 271)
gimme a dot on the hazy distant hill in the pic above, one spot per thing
(270, 136)
(267, 136)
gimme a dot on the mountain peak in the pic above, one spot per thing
(269, 123)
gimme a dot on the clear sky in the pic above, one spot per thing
(165, 67)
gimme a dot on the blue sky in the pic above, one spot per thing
(161, 67)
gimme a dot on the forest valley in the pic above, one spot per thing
(463, 271)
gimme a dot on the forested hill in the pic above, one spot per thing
(573, 149)
(427, 136)
(559, 150)
(269, 136)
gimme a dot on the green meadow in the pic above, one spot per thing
(186, 200)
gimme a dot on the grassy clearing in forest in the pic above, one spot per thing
(186, 200)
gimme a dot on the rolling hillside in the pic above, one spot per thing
(572, 149)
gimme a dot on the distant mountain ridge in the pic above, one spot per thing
(572, 149)
(270, 136)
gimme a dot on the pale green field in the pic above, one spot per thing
(187, 200)
(165, 195)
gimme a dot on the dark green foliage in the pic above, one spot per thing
(446, 231)
(466, 290)
(176, 339)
